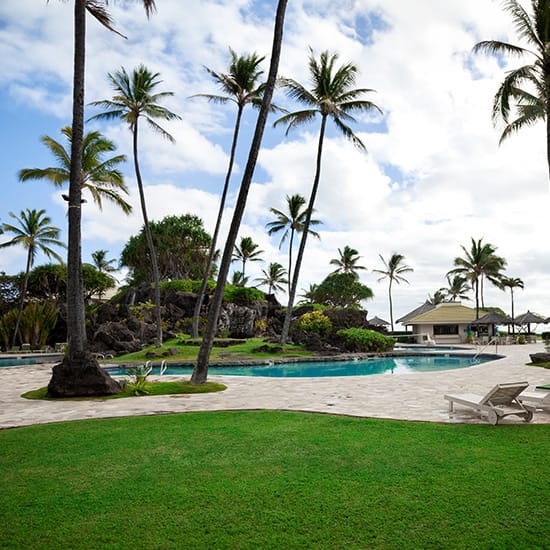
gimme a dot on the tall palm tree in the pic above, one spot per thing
(200, 372)
(246, 251)
(478, 263)
(511, 283)
(240, 86)
(64, 381)
(274, 277)
(524, 95)
(457, 288)
(99, 176)
(35, 234)
(347, 262)
(291, 223)
(393, 271)
(136, 97)
(332, 96)
(101, 263)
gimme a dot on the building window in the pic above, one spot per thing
(445, 330)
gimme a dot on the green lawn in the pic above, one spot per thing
(257, 480)
(188, 350)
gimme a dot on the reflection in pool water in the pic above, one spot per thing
(377, 365)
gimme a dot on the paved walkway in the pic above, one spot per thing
(416, 396)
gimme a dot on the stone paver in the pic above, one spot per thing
(417, 397)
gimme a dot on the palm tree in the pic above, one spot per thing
(456, 289)
(524, 95)
(200, 372)
(101, 263)
(347, 262)
(511, 283)
(437, 298)
(63, 381)
(291, 223)
(135, 97)
(478, 263)
(241, 87)
(393, 270)
(308, 294)
(247, 251)
(333, 97)
(34, 233)
(274, 277)
(99, 176)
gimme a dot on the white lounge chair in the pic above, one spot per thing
(538, 398)
(501, 401)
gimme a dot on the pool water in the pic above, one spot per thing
(362, 367)
(32, 360)
(420, 347)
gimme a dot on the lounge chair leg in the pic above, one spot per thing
(492, 417)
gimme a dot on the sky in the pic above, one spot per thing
(432, 178)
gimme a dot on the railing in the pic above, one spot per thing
(163, 368)
(493, 340)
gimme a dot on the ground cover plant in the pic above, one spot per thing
(267, 479)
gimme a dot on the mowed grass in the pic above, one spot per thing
(264, 479)
(187, 351)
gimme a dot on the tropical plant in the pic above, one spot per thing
(247, 250)
(238, 278)
(308, 294)
(457, 288)
(136, 97)
(274, 277)
(99, 175)
(347, 262)
(333, 97)
(437, 298)
(200, 372)
(341, 290)
(361, 340)
(240, 86)
(511, 283)
(314, 322)
(393, 270)
(76, 325)
(181, 245)
(37, 321)
(291, 223)
(478, 263)
(523, 98)
(35, 234)
(101, 263)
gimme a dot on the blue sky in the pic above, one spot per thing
(433, 176)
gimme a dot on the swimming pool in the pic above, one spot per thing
(420, 347)
(361, 367)
(21, 360)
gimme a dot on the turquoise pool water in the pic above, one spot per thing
(31, 360)
(376, 365)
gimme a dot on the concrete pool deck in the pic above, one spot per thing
(416, 397)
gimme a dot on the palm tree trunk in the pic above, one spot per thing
(76, 325)
(23, 294)
(200, 371)
(305, 231)
(202, 291)
(290, 245)
(149, 237)
(513, 317)
(391, 304)
(546, 72)
(476, 284)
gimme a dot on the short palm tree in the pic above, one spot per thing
(274, 277)
(347, 262)
(99, 175)
(291, 223)
(136, 97)
(478, 263)
(457, 288)
(511, 283)
(308, 294)
(246, 251)
(241, 86)
(101, 263)
(34, 233)
(523, 98)
(332, 96)
(393, 270)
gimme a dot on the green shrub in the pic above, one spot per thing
(138, 384)
(521, 339)
(364, 340)
(242, 295)
(315, 322)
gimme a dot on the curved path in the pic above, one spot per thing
(416, 396)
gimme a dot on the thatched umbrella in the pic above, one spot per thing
(493, 318)
(378, 322)
(528, 318)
